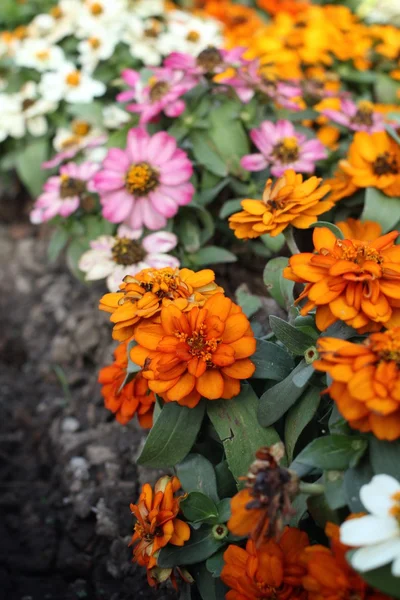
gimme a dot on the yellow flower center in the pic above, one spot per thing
(395, 510)
(385, 164)
(94, 42)
(358, 252)
(387, 346)
(20, 32)
(193, 36)
(141, 179)
(71, 141)
(287, 150)
(200, 347)
(43, 55)
(71, 187)
(96, 9)
(209, 59)
(364, 114)
(80, 127)
(56, 12)
(127, 252)
(154, 30)
(158, 89)
(73, 79)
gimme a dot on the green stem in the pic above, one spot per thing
(311, 489)
(290, 241)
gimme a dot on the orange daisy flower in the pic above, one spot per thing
(341, 185)
(241, 22)
(157, 523)
(374, 161)
(366, 231)
(143, 296)
(366, 381)
(133, 398)
(274, 570)
(273, 7)
(329, 575)
(350, 280)
(290, 201)
(203, 352)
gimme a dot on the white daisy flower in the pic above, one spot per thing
(68, 141)
(70, 84)
(40, 55)
(377, 535)
(189, 34)
(99, 46)
(114, 117)
(110, 14)
(142, 37)
(59, 23)
(11, 118)
(146, 8)
(114, 257)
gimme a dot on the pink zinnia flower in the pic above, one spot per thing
(357, 117)
(147, 182)
(63, 193)
(114, 257)
(209, 61)
(282, 148)
(162, 94)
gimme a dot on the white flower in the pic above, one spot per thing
(110, 14)
(115, 257)
(67, 83)
(146, 8)
(99, 46)
(11, 119)
(40, 55)
(142, 38)
(377, 535)
(189, 34)
(380, 11)
(68, 141)
(60, 23)
(114, 117)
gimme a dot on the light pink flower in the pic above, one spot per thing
(163, 93)
(114, 257)
(147, 182)
(62, 194)
(210, 60)
(357, 117)
(282, 147)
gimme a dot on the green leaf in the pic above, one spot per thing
(74, 251)
(272, 361)
(205, 153)
(118, 138)
(216, 563)
(334, 228)
(275, 244)
(166, 445)
(226, 484)
(228, 135)
(386, 89)
(29, 165)
(248, 302)
(189, 235)
(196, 473)
(334, 489)
(209, 587)
(212, 255)
(277, 400)
(238, 429)
(381, 208)
(58, 241)
(230, 207)
(333, 452)
(224, 510)
(132, 367)
(207, 195)
(93, 112)
(199, 547)
(198, 508)
(279, 288)
(321, 512)
(385, 457)
(354, 479)
(383, 580)
(299, 416)
(295, 341)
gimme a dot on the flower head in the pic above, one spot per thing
(271, 571)
(126, 397)
(282, 148)
(351, 280)
(341, 185)
(208, 61)
(64, 193)
(114, 257)
(261, 508)
(366, 231)
(143, 296)
(290, 201)
(201, 352)
(374, 161)
(69, 84)
(68, 141)
(147, 182)
(357, 117)
(366, 381)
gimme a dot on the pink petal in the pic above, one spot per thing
(116, 205)
(106, 181)
(153, 220)
(116, 160)
(163, 204)
(160, 148)
(137, 140)
(182, 194)
(253, 162)
(176, 172)
(161, 241)
(68, 206)
(175, 109)
(159, 261)
(261, 140)
(130, 77)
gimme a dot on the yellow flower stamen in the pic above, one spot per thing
(141, 179)
(73, 79)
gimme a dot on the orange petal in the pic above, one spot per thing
(182, 388)
(241, 369)
(210, 385)
(235, 328)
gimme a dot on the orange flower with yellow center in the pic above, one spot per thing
(366, 381)
(350, 280)
(341, 185)
(273, 571)
(133, 398)
(366, 231)
(157, 523)
(143, 296)
(374, 161)
(202, 352)
(329, 575)
(290, 201)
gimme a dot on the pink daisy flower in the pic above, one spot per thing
(114, 257)
(357, 117)
(147, 182)
(63, 193)
(210, 60)
(162, 94)
(282, 147)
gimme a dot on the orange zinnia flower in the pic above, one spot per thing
(374, 161)
(273, 570)
(329, 575)
(341, 185)
(350, 280)
(142, 296)
(273, 7)
(290, 201)
(366, 381)
(366, 231)
(203, 352)
(157, 523)
(126, 400)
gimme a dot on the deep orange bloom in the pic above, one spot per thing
(366, 231)
(241, 22)
(329, 575)
(133, 398)
(366, 381)
(292, 7)
(202, 352)
(143, 296)
(350, 280)
(290, 201)
(157, 523)
(341, 185)
(274, 570)
(374, 161)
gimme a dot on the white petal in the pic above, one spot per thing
(368, 530)
(377, 495)
(372, 557)
(396, 567)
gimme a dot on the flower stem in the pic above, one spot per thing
(311, 489)
(290, 241)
